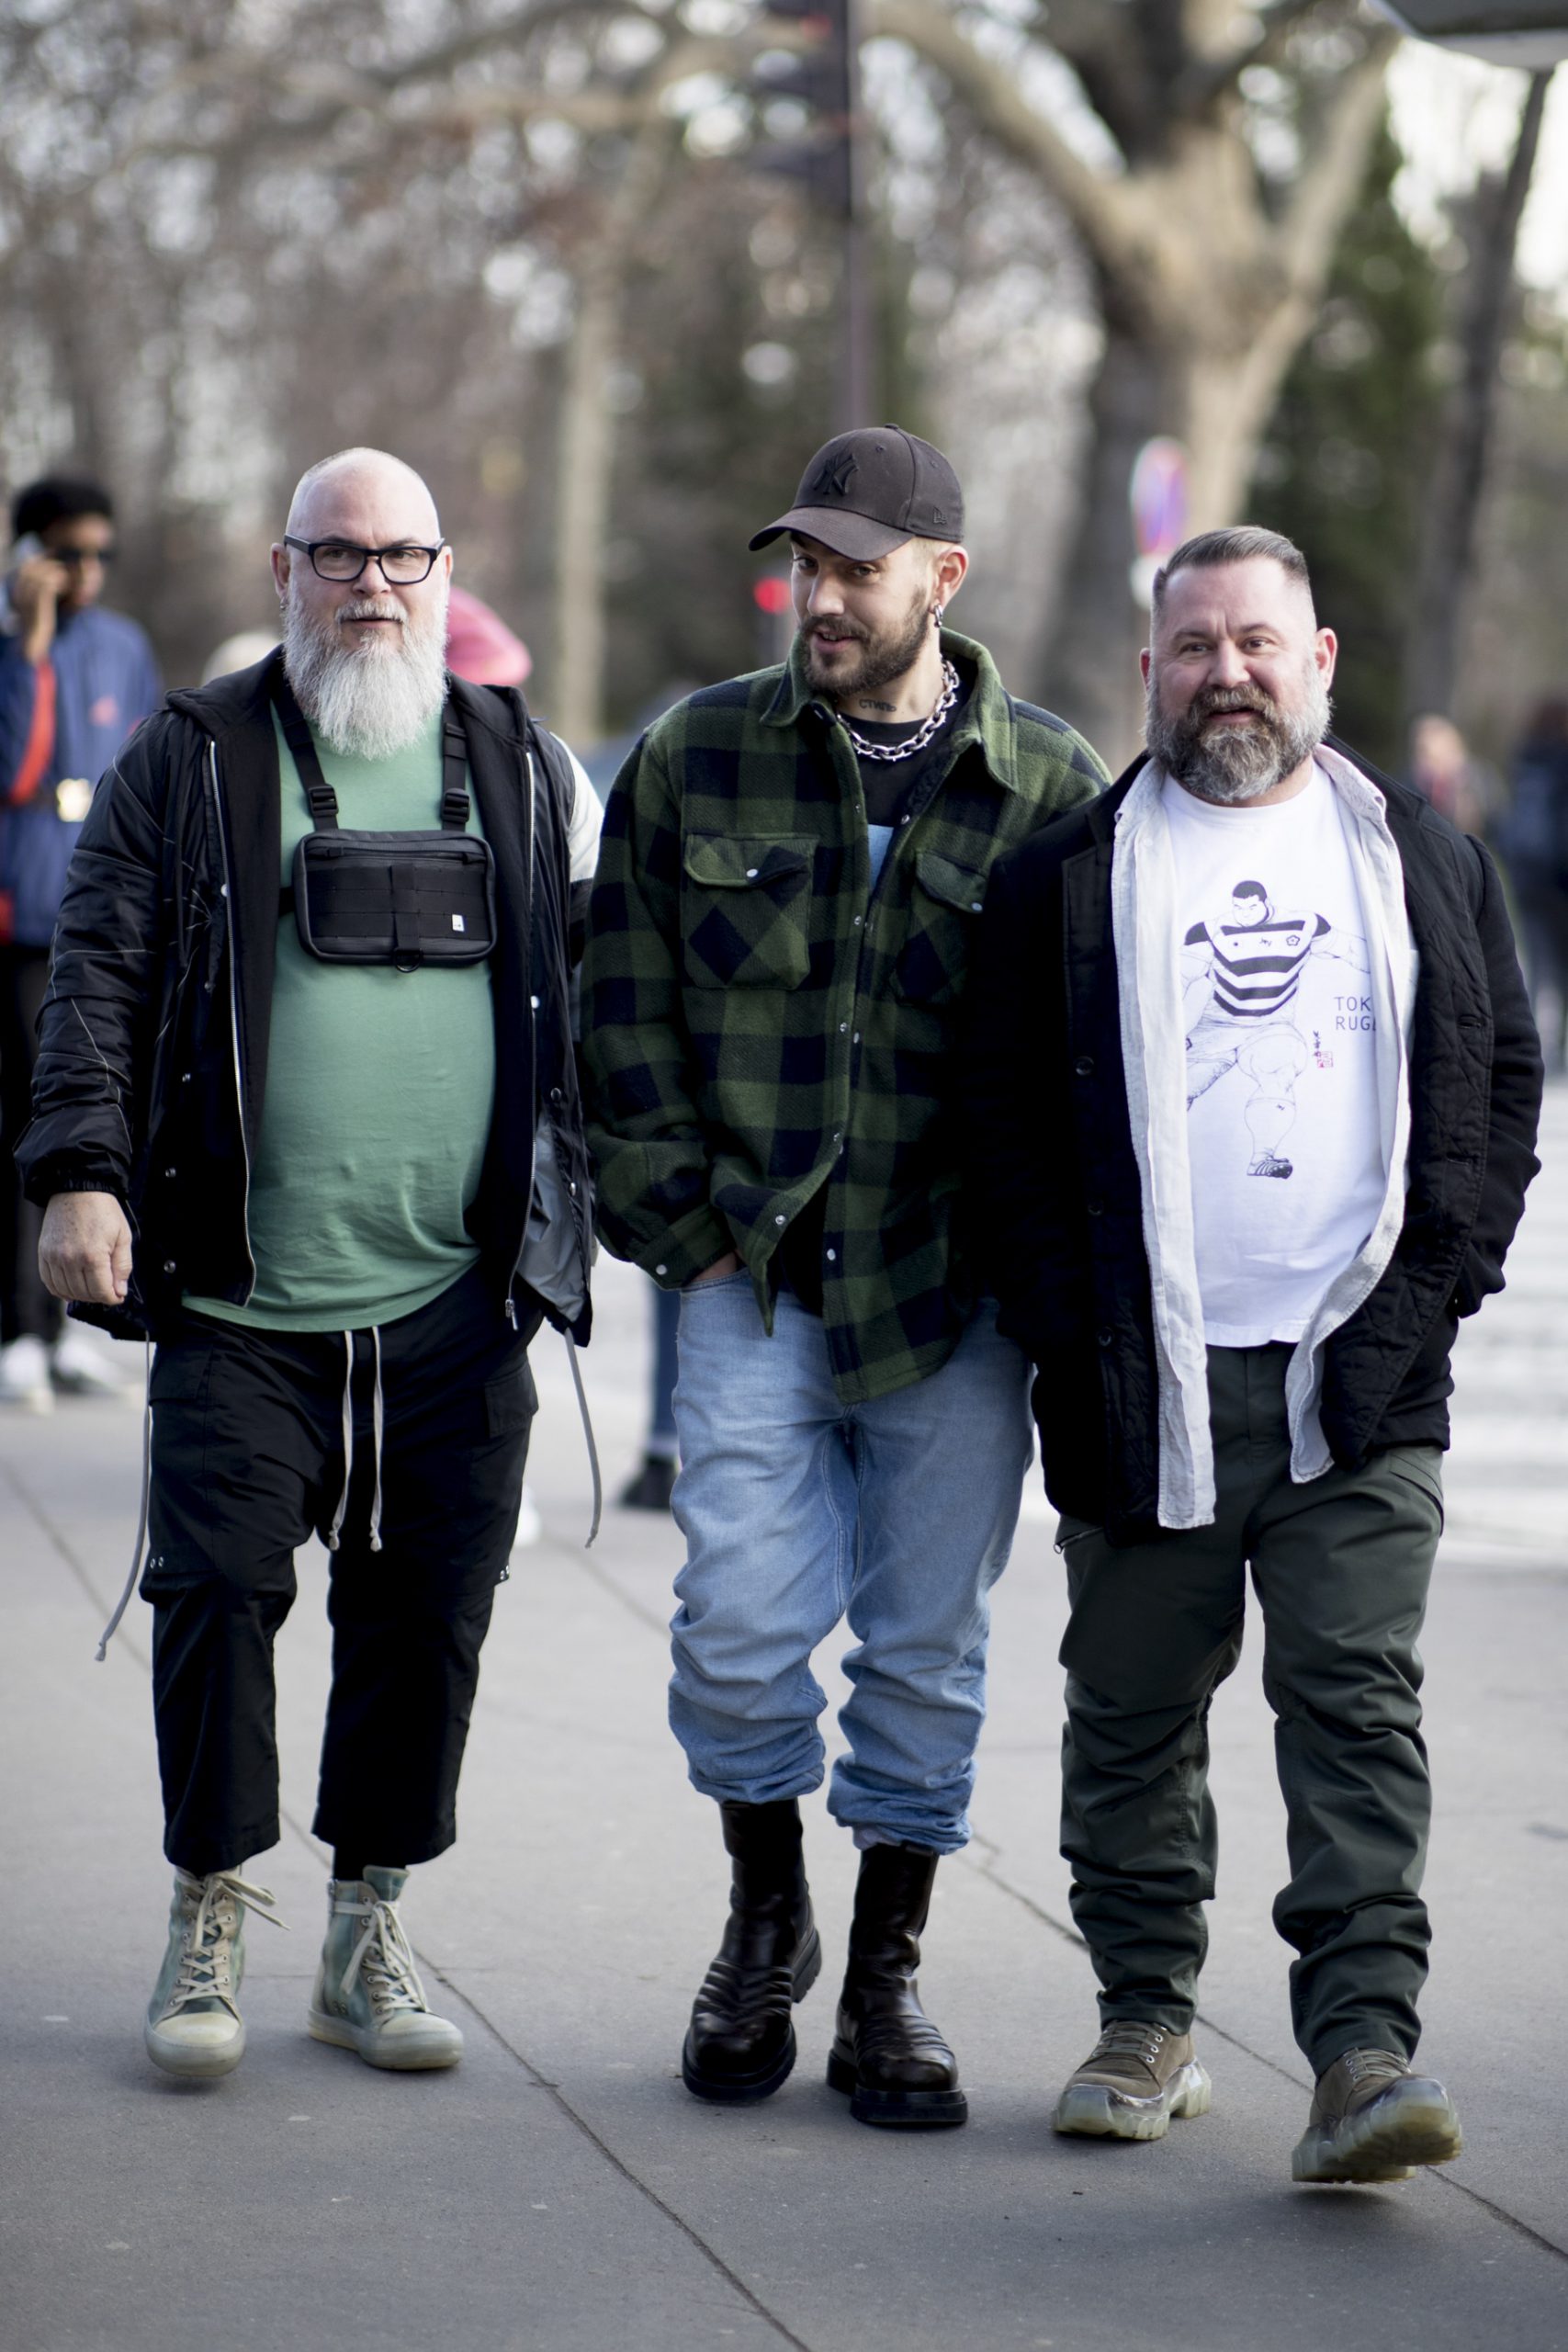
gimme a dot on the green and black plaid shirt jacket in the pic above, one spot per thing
(760, 1023)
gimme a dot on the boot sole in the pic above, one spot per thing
(1088, 2111)
(896, 2110)
(746, 2090)
(402, 2058)
(1391, 2145)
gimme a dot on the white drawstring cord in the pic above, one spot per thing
(377, 1423)
(335, 1530)
(112, 1628)
(588, 1433)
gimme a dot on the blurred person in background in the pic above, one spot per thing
(74, 680)
(341, 1180)
(652, 1483)
(480, 648)
(1250, 1097)
(1533, 835)
(791, 868)
(1447, 779)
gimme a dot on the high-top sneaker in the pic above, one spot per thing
(367, 1994)
(741, 2044)
(887, 2054)
(194, 2026)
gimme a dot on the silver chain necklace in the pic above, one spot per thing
(916, 742)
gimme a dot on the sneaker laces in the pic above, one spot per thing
(1126, 2035)
(384, 1958)
(1369, 2065)
(204, 1973)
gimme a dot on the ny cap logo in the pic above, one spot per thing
(833, 477)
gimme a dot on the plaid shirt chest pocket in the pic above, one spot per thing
(944, 900)
(745, 910)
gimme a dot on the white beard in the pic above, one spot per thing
(375, 699)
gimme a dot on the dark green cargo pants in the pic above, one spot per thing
(1340, 1566)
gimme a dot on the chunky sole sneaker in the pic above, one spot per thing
(745, 2090)
(1413, 2123)
(894, 2110)
(194, 2028)
(1095, 2111)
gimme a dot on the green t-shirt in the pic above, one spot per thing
(379, 1087)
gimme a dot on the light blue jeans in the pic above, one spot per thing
(797, 1509)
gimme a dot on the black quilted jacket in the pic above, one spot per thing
(1051, 1191)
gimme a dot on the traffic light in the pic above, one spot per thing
(818, 73)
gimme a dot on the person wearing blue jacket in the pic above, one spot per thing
(74, 680)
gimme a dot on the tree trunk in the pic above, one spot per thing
(1434, 653)
(585, 449)
(1217, 403)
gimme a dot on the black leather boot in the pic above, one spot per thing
(741, 2044)
(887, 2054)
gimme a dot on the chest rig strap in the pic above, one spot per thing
(454, 805)
(399, 897)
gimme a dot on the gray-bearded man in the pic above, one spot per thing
(316, 908)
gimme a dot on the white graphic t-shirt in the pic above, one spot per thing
(1287, 1176)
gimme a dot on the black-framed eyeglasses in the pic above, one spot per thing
(402, 566)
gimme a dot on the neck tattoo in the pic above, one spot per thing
(917, 742)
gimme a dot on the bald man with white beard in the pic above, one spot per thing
(317, 906)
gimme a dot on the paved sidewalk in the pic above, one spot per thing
(560, 2192)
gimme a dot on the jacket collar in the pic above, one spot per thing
(1404, 805)
(987, 717)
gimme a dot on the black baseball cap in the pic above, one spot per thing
(866, 492)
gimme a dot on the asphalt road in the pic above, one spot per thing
(560, 2192)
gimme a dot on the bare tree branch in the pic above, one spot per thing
(1330, 179)
(1105, 211)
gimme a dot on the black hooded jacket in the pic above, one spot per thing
(1052, 1197)
(153, 1045)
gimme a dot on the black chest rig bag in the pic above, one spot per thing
(401, 898)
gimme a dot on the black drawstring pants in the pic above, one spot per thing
(247, 1463)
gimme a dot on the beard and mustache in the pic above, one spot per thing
(373, 699)
(882, 657)
(1234, 765)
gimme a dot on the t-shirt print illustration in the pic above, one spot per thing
(1284, 1142)
(1241, 975)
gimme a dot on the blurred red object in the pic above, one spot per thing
(479, 645)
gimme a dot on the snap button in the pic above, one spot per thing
(843, 1027)
(168, 1172)
(1096, 1208)
(781, 1220)
(168, 1265)
(859, 919)
(831, 1255)
(855, 1039)
(1106, 1338)
(1084, 1066)
(751, 872)
(661, 1269)
(534, 1003)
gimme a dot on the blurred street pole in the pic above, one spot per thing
(1436, 647)
(857, 395)
(820, 70)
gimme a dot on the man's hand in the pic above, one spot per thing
(83, 1251)
(729, 1264)
(37, 587)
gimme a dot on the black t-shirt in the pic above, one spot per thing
(895, 791)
